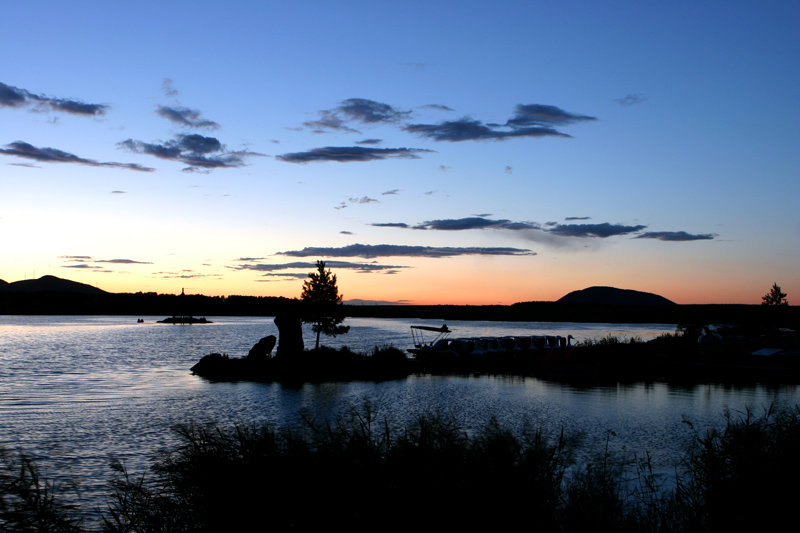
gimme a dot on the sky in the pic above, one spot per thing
(429, 152)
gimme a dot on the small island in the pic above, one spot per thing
(184, 320)
(695, 353)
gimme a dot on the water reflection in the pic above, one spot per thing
(76, 392)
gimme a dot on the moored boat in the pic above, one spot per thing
(482, 345)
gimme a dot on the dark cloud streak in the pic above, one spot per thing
(273, 267)
(544, 115)
(349, 154)
(53, 155)
(468, 223)
(17, 98)
(359, 110)
(390, 250)
(123, 261)
(467, 129)
(184, 116)
(676, 236)
(602, 231)
(530, 120)
(199, 152)
(390, 225)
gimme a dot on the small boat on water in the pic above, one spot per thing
(442, 343)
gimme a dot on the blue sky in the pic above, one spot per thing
(482, 152)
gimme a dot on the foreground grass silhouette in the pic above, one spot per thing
(360, 473)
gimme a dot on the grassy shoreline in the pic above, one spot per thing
(669, 358)
(360, 472)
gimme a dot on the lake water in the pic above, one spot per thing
(78, 392)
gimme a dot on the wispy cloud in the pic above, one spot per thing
(275, 268)
(467, 129)
(393, 191)
(370, 141)
(676, 236)
(390, 225)
(631, 99)
(527, 115)
(531, 120)
(370, 111)
(198, 152)
(168, 88)
(93, 268)
(391, 250)
(184, 274)
(89, 262)
(459, 224)
(19, 98)
(363, 200)
(279, 276)
(349, 154)
(329, 121)
(184, 116)
(361, 301)
(53, 155)
(602, 231)
(360, 110)
(549, 230)
(123, 261)
(438, 107)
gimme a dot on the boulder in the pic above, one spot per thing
(290, 331)
(263, 348)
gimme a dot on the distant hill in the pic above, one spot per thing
(49, 284)
(614, 296)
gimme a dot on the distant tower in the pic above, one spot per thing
(182, 294)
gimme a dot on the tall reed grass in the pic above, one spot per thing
(30, 503)
(361, 473)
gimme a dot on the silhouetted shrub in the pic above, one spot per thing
(359, 471)
(28, 502)
(744, 475)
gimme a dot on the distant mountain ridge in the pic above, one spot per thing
(49, 284)
(614, 296)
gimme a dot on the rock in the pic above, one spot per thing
(290, 330)
(209, 363)
(263, 348)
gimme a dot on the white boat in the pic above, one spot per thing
(473, 346)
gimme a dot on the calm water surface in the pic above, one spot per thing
(77, 392)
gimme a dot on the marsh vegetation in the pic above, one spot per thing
(360, 471)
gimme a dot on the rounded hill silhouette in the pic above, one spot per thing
(49, 284)
(614, 296)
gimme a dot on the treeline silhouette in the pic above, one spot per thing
(140, 304)
(151, 303)
(591, 313)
